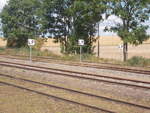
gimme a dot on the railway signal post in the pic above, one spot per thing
(120, 46)
(31, 42)
(81, 43)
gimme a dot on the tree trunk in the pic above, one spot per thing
(125, 51)
(65, 45)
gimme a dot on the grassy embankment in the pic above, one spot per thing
(134, 61)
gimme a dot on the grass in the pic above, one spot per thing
(20, 101)
(134, 61)
(46, 53)
(138, 61)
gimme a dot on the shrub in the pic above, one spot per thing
(138, 61)
(2, 49)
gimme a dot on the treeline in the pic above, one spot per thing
(70, 20)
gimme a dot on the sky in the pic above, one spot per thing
(110, 21)
(2, 3)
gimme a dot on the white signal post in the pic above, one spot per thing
(31, 42)
(120, 46)
(81, 43)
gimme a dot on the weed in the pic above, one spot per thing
(138, 61)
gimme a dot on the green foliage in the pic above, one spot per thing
(19, 21)
(138, 61)
(2, 49)
(69, 20)
(135, 37)
(133, 14)
(25, 51)
(55, 20)
(85, 15)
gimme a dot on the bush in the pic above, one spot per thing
(2, 49)
(138, 61)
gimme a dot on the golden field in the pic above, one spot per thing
(109, 47)
(104, 41)
(2, 42)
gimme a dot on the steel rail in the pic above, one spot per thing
(83, 73)
(107, 67)
(55, 97)
(146, 72)
(79, 92)
(74, 76)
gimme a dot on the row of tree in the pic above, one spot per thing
(70, 20)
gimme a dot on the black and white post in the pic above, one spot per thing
(81, 43)
(80, 53)
(30, 53)
(98, 40)
(31, 42)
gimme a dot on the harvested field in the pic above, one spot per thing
(109, 48)
(113, 52)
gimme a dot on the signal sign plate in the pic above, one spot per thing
(31, 42)
(81, 42)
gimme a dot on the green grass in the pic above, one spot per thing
(134, 61)
(2, 49)
(138, 61)
(46, 53)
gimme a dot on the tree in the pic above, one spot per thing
(85, 15)
(56, 22)
(70, 20)
(133, 14)
(19, 21)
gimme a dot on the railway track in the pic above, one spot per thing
(70, 90)
(92, 77)
(86, 64)
(146, 72)
(59, 98)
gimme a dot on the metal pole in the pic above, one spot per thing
(98, 41)
(98, 48)
(80, 53)
(30, 53)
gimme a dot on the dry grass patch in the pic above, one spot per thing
(13, 100)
